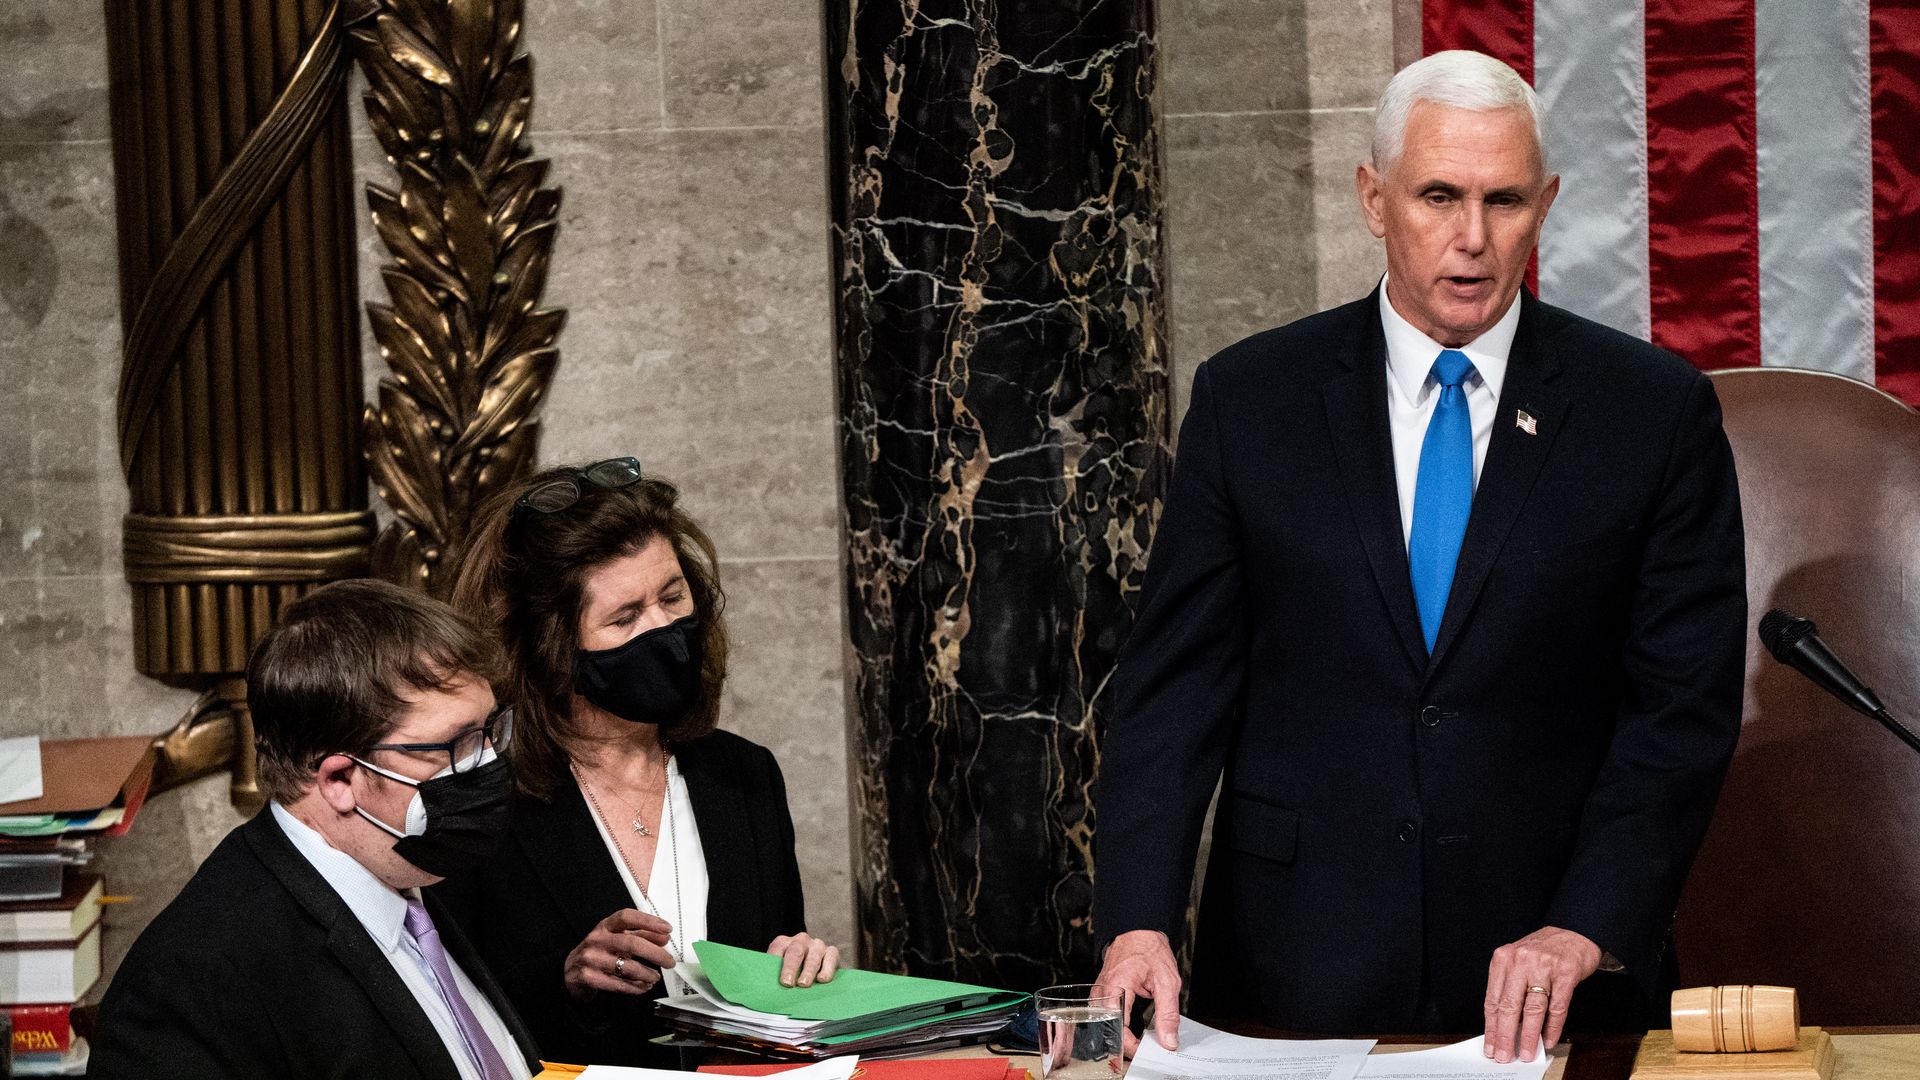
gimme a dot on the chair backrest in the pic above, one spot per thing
(1810, 875)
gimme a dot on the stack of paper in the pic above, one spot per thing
(738, 1001)
(1209, 1054)
(73, 786)
(1459, 1061)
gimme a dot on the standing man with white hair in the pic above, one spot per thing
(1448, 598)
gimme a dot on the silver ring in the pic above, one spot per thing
(619, 964)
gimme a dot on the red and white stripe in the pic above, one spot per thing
(1740, 179)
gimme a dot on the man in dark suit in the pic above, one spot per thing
(1448, 598)
(302, 946)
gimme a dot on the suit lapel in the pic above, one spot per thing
(564, 848)
(1356, 404)
(1513, 463)
(348, 941)
(720, 816)
(463, 954)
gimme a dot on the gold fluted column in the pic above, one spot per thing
(240, 394)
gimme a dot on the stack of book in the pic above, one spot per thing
(76, 790)
(739, 1003)
(49, 959)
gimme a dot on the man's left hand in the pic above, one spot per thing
(1519, 1015)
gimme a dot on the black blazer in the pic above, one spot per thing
(553, 879)
(258, 968)
(1387, 819)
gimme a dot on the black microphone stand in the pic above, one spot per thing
(1906, 733)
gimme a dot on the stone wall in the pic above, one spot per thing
(693, 257)
(693, 260)
(1268, 108)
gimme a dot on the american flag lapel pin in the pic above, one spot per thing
(1524, 420)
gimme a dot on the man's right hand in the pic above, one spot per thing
(1141, 963)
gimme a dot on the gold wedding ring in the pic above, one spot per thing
(1538, 990)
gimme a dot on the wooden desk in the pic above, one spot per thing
(1876, 1054)
(1859, 1054)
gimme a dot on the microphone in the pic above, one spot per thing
(1795, 642)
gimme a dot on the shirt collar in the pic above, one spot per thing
(1410, 353)
(380, 908)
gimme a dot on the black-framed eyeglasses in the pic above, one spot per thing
(563, 491)
(465, 750)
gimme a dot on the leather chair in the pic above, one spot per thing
(1810, 875)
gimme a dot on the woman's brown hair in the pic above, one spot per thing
(523, 575)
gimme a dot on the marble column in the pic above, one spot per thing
(1003, 400)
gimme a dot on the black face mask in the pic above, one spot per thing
(653, 679)
(455, 819)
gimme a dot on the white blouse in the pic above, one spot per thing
(678, 848)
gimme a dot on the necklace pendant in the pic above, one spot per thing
(641, 828)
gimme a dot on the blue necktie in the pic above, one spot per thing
(1442, 495)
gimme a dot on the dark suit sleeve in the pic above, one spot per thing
(1178, 689)
(535, 991)
(180, 1019)
(784, 863)
(1683, 662)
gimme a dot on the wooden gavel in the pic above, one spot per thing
(1735, 1019)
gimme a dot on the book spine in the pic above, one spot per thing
(41, 1029)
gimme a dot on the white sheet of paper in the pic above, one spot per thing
(840, 1068)
(1206, 1052)
(694, 977)
(1460, 1061)
(20, 769)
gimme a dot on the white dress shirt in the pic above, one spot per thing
(678, 846)
(1412, 393)
(1412, 396)
(383, 911)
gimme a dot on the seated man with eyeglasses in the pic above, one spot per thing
(303, 947)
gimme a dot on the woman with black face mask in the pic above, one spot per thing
(637, 828)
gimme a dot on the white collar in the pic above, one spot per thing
(380, 907)
(1410, 353)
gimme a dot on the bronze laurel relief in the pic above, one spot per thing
(470, 232)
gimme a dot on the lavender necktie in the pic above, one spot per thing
(479, 1048)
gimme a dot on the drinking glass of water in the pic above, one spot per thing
(1080, 1032)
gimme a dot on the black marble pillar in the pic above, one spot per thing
(1003, 416)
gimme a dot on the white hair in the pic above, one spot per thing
(1462, 79)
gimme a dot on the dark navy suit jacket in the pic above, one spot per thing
(1387, 818)
(258, 969)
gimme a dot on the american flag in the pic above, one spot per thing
(1740, 179)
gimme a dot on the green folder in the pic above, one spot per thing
(33, 825)
(752, 979)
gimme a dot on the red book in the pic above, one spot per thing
(992, 1068)
(41, 1029)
